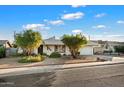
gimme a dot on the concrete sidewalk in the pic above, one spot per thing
(51, 68)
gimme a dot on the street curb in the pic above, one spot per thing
(52, 68)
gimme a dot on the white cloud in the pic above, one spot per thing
(38, 27)
(120, 22)
(108, 37)
(100, 15)
(115, 35)
(76, 6)
(99, 27)
(76, 31)
(72, 16)
(56, 22)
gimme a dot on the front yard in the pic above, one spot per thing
(13, 61)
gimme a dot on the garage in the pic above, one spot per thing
(86, 50)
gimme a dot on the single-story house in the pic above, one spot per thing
(5, 43)
(55, 45)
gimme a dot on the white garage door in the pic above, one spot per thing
(86, 51)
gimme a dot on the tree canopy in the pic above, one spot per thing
(119, 49)
(74, 43)
(28, 40)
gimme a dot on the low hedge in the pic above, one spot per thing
(30, 59)
(55, 55)
(2, 52)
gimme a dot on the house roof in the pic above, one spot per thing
(53, 41)
(92, 43)
(4, 42)
(113, 43)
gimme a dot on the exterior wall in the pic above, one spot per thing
(52, 49)
(67, 52)
(35, 51)
(88, 50)
(47, 51)
(7, 46)
(11, 51)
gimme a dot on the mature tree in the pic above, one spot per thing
(28, 41)
(74, 43)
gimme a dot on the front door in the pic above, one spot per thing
(40, 49)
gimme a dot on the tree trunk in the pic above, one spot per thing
(73, 54)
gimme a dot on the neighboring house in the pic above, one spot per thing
(5, 43)
(107, 46)
(55, 45)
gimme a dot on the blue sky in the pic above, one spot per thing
(98, 22)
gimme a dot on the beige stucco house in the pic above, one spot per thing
(55, 45)
(93, 47)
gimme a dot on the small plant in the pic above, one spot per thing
(2, 52)
(55, 55)
(30, 59)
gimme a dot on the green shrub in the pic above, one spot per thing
(55, 55)
(119, 49)
(29, 59)
(2, 52)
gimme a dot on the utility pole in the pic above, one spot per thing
(89, 37)
(14, 35)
